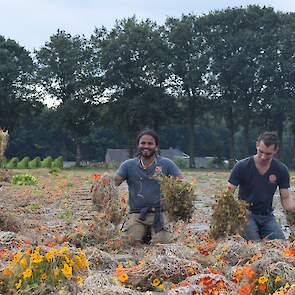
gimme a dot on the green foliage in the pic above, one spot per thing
(24, 163)
(178, 197)
(181, 162)
(12, 163)
(54, 170)
(47, 162)
(57, 163)
(35, 163)
(24, 179)
(229, 216)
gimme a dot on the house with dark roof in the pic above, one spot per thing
(120, 155)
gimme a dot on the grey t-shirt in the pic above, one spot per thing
(143, 190)
(259, 189)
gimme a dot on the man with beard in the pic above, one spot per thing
(258, 178)
(145, 210)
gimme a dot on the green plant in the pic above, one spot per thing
(229, 216)
(12, 163)
(24, 163)
(35, 269)
(181, 162)
(58, 163)
(47, 162)
(54, 170)
(67, 215)
(24, 179)
(35, 163)
(178, 197)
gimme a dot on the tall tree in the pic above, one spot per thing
(134, 59)
(67, 73)
(189, 61)
(17, 98)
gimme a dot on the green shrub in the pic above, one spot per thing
(12, 163)
(24, 163)
(24, 179)
(58, 163)
(47, 162)
(181, 162)
(35, 163)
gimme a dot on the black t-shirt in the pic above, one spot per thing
(257, 189)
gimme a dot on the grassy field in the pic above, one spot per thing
(58, 211)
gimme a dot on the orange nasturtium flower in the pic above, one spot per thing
(245, 290)
(123, 277)
(96, 176)
(262, 287)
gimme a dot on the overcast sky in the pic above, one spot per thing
(32, 22)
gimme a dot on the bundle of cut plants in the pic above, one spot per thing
(107, 199)
(178, 198)
(229, 216)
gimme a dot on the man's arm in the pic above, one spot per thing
(118, 180)
(287, 201)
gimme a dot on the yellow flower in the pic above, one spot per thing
(277, 279)
(79, 280)
(141, 262)
(123, 277)
(36, 258)
(28, 273)
(191, 271)
(18, 284)
(64, 249)
(161, 286)
(262, 280)
(23, 262)
(49, 256)
(156, 282)
(67, 271)
(16, 257)
(44, 276)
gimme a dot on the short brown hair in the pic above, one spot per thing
(269, 138)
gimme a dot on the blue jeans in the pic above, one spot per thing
(262, 227)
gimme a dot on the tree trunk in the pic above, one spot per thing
(280, 128)
(248, 146)
(191, 132)
(230, 126)
(78, 152)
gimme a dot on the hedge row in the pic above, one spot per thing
(26, 163)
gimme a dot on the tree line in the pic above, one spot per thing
(208, 84)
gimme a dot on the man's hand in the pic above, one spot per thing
(231, 188)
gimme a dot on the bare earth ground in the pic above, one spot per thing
(49, 211)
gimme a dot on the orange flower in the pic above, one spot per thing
(246, 290)
(105, 181)
(289, 252)
(262, 287)
(249, 272)
(206, 281)
(96, 176)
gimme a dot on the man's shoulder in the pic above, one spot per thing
(130, 162)
(164, 160)
(279, 165)
(245, 162)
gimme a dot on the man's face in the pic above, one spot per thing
(265, 153)
(147, 146)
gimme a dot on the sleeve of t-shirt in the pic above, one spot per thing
(123, 170)
(284, 179)
(235, 176)
(173, 170)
